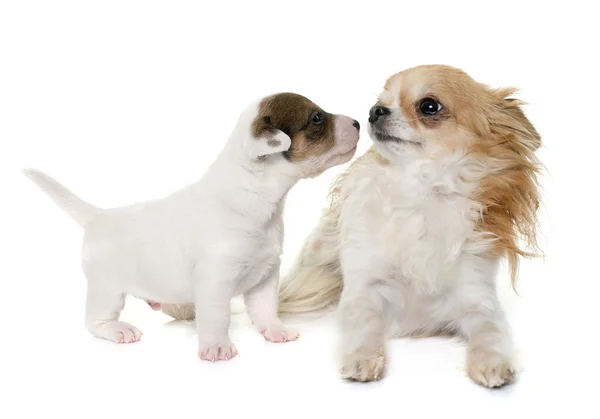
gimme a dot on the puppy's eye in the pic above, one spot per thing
(317, 118)
(429, 106)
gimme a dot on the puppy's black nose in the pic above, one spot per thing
(355, 124)
(377, 112)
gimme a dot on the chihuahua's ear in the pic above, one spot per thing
(268, 139)
(511, 118)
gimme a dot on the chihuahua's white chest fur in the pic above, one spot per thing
(413, 225)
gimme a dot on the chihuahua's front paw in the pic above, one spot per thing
(490, 369)
(279, 333)
(217, 352)
(363, 365)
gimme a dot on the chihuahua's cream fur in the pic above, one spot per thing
(417, 226)
(215, 239)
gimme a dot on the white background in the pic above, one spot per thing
(130, 100)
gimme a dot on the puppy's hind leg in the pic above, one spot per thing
(103, 306)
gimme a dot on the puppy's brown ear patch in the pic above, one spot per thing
(291, 114)
(273, 142)
(268, 139)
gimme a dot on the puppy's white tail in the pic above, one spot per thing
(315, 281)
(79, 210)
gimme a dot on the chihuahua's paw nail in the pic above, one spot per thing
(364, 365)
(491, 370)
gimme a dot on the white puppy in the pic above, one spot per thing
(418, 225)
(215, 239)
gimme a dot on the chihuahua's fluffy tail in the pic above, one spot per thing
(79, 210)
(315, 281)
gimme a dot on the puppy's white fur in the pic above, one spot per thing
(215, 239)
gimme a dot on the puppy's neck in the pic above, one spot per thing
(254, 188)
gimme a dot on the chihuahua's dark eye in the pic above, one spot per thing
(429, 106)
(317, 118)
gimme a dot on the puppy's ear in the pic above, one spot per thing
(512, 119)
(268, 139)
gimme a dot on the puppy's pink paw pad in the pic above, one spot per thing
(218, 352)
(119, 332)
(280, 334)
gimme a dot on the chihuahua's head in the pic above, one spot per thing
(289, 130)
(432, 110)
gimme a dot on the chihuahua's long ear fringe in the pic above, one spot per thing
(510, 193)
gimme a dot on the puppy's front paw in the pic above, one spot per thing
(217, 352)
(490, 369)
(279, 333)
(364, 365)
(119, 332)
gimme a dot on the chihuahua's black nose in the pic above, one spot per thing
(377, 112)
(355, 124)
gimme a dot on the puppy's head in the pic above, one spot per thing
(429, 111)
(292, 130)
